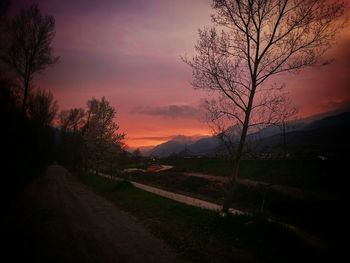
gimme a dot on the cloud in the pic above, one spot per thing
(338, 104)
(170, 111)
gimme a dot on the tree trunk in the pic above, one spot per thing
(232, 180)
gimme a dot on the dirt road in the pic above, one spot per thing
(64, 221)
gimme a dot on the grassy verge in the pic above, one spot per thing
(201, 235)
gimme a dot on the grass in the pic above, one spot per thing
(201, 235)
(314, 174)
(142, 164)
(314, 214)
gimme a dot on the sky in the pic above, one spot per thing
(130, 52)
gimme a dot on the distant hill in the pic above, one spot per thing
(144, 150)
(325, 134)
(173, 146)
(327, 137)
(205, 145)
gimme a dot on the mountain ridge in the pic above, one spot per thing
(318, 129)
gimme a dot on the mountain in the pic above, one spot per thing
(328, 137)
(186, 146)
(174, 146)
(339, 120)
(204, 145)
(145, 150)
(325, 134)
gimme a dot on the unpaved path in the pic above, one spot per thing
(73, 224)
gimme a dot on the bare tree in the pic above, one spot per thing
(251, 41)
(72, 120)
(288, 113)
(221, 126)
(42, 107)
(72, 148)
(28, 50)
(100, 131)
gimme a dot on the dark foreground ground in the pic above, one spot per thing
(58, 219)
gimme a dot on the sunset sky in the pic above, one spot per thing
(129, 51)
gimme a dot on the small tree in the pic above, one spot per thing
(42, 107)
(287, 114)
(253, 40)
(72, 144)
(100, 131)
(28, 50)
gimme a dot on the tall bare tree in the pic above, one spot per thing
(28, 50)
(250, 42)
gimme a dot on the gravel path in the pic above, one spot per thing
(70, 223)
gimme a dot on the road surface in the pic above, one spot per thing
(64, 221)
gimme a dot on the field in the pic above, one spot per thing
(313, 199)
(313, 174)
(201, 235)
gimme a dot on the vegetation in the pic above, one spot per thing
(309, 174)
(250, 42)
(28, 50)
(259, 40)
(90, 137)
(42, 107)
(100, 133)
(28, 145)
(201, 235)
(85, 138)
(293, 206)
(27, 141)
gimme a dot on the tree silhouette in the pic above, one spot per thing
(287, 113)
(71, 147)
(100, 132)
(42, 107)
(28, 50)
(251, 41)
(72, 120)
